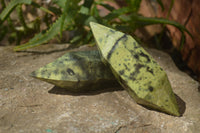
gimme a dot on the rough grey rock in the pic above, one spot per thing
(29, 105)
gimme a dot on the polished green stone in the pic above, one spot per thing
(145, 81)
(78, 72)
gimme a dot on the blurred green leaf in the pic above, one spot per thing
(88, 3)
(143, 21)
(116, 13)
(41, 38)
(84, 10)
(11, 6)
(107, 6)
(161, 4)
(133, 5)
(60, 3)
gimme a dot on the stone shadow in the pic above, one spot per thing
(62, 91)
(181, 105)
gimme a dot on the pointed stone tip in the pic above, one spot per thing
(33, 74)
(177, 114)
(94, 26)
(93, 23)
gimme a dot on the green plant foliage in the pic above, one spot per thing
(133, 5)
(60, 3)
(3, 31)
(161, 4)
(41, 38)
(17, 32)
(141, 21)
(21, 18)
(11, 6)
(75, 16)
(63, 20)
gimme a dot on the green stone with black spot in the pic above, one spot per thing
(77, 72)
(138, 73)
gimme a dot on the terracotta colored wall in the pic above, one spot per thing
(186, 12)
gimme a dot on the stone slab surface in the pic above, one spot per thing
(28, 105)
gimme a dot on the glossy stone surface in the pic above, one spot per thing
(145, 81)
(77, 71)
